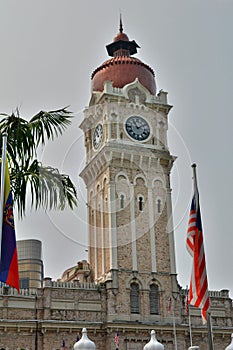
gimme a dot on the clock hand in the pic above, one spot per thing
(136, 124)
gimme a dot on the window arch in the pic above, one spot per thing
(134, 298)
(154, 299)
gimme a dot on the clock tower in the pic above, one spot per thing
(127, 175)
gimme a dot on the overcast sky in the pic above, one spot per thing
(49, 48)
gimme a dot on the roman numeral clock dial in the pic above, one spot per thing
(137, 128)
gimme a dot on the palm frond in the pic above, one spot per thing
(48, 188)
(20, 142)
(49, 124)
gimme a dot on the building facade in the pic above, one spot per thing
(131, 238)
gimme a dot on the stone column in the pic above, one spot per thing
(151, 226)
(112, 227)
(133, 228)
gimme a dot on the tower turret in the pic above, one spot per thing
(127, 175)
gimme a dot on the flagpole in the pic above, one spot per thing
(174, 326)
(195, 184)
(210, 332)
(190, 328)
(2, 191)
(209, 323)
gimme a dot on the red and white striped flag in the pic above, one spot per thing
(116, 339)
(198, 290)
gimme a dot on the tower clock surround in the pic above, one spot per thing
(137, 128)
(98, 134)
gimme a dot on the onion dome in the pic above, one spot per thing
(120, 36)
(153, 343)
(122, 68)
(230, 347)
(84, 343)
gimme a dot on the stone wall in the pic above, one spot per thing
(60, 310)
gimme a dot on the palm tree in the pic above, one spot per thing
(48, 188)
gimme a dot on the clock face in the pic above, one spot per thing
(137, 128)
(98, 134)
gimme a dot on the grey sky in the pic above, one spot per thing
(49, 49)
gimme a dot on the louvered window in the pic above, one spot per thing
(154, 299)
(134, 299)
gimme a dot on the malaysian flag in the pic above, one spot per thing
(198, 291)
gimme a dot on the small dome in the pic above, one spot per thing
(84, 343)
(230, 347)
(121, 36)
(153, 343)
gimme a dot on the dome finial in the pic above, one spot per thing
(121, 25)
(84, 343)
(153, 343)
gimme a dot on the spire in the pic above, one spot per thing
(121, 25)
(121, 45)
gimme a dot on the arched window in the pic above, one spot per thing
(140, 201)
(159, 202)
(134, 298)
(154, 299)
(122, 201)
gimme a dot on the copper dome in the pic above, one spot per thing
(123, 69)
